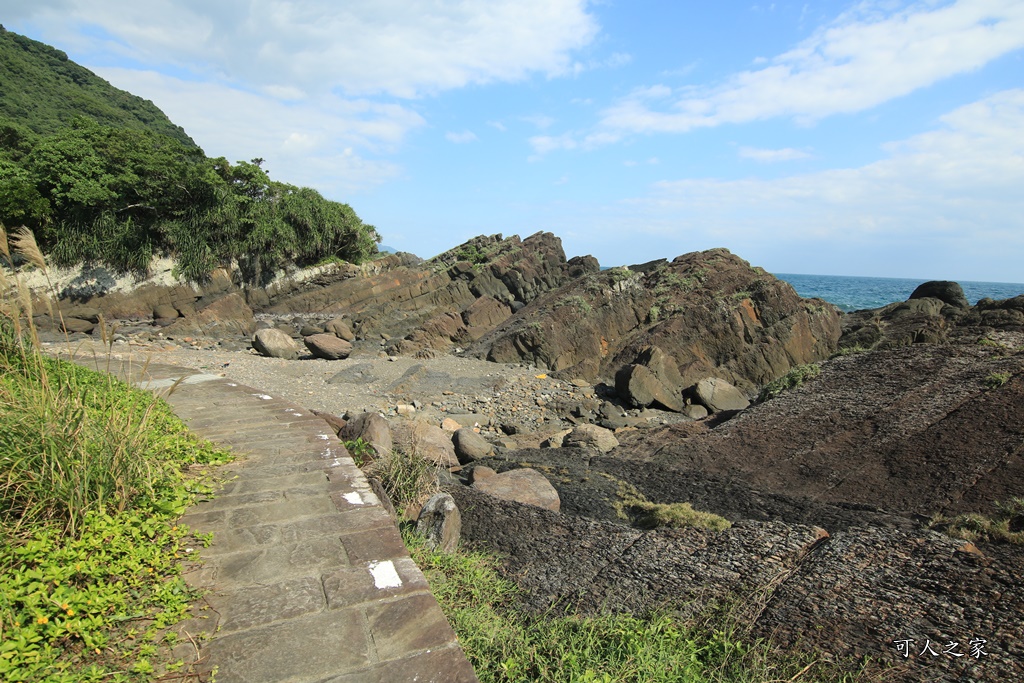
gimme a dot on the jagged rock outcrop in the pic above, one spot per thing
(710, 312)
(451, 299)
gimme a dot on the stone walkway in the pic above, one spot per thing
(307, 575)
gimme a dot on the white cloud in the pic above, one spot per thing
(405, 48)
(865, 57)
(539, 120)
(461, 138)
(769, 156)
(306, 143)
(956, 185)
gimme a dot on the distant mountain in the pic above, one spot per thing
(386, 249)
(42, 90)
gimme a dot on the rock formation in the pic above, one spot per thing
(709, 312)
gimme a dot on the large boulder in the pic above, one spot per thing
(275, 344)
(470, 446)
(642, 388)
(950, 293)
(371, 428)
(525, 485)
(341, 329)
(328, 346)
(429, 442)
(590, 436)
(717, 395)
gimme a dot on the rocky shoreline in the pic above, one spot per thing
(643, 384)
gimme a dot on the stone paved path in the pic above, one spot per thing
(309, 579)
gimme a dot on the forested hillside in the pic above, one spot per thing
(103, 176)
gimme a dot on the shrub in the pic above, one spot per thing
(1005, 526)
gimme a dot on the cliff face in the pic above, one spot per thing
(709, 311)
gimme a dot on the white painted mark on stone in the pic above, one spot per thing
(385, 575)
(232, 384)
(325, 437)
(265, 397)
(354, 498)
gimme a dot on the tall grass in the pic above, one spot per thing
(71, 440)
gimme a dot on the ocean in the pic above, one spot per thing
(855, 293)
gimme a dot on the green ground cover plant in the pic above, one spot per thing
(93, 476)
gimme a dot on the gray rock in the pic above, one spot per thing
(718, 395)
(371, 428)
(275, 344)
(308, 330)
(640, 386)
(470, 446)
(328, 347)
(526, 485)
(433, 443)
(591, 436)
(695, 411)
(165, 311)
(440, 523)
(72, 325)
(340, 328)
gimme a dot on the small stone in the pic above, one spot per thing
(405, 410)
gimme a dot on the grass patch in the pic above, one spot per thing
(996, 380)
(407, 478)
(791, 380)
(95, 474)
(504, 644)
(1005, 526)
(634, 507)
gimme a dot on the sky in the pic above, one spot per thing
(879, 138)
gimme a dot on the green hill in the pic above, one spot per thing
(102, 176)
(43, 90)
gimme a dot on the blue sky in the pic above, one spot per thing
(877, 138)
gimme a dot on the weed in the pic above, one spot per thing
(361, 451)
(850, 350)
(996, 380)
(578, 302)
(653, 313)
(790, 380)
(407, 478)
(1005, 526)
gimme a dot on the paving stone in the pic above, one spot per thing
(373, 581)
(298, 539)
(448, 665)
(279, 562)
(366, 546)
(414, 622)
(309, 648)
(253, 606)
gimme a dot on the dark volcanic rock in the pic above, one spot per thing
(947, 292)
(913, 429)
(849, 595)
(709, 312)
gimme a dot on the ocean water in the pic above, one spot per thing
(855, 293)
